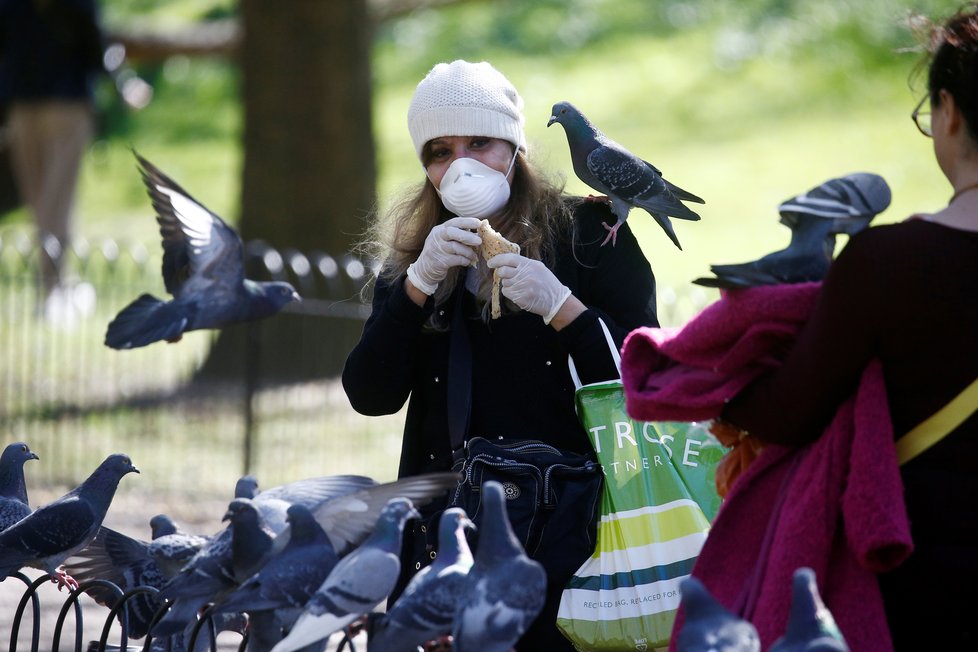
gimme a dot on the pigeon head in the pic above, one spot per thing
(269, 297)
(811, 627)
(709, 627)
(574, 122)
(114, 467)
(852, 201)
(241, 510)
(246, 487)
(12, 483)
(304, 527)
(17, 452)
(162, 525)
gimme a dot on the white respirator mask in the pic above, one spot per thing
(470, 188)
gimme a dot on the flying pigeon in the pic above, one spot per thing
(811, 627)
(426, 608)
(709, 627)
(56, 531)
(203, 268)
(127, 563)
(221, 565)
(843, 205)
(627, 180)
(505, 589)
(358, 583)
(13, 487)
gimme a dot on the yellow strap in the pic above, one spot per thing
(934, 428)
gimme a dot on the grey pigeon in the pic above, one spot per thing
(171, 547)
(220, 566)
(275, 595)
(709, 627)
(56, 531)
(505, 589)
(811, 627)
(627, 180)
(426, 608)
(13, 487)
(128, 563)
(358, 583)
(845, 205)
(203, 268)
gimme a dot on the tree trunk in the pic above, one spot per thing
(309, 176)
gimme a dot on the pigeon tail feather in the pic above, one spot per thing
(144, 321)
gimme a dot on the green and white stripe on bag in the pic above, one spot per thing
(658, 500)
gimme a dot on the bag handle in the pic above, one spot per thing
(615, 355)
(459, 390)
(938, 425)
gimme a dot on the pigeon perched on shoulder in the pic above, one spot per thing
(13, 487)
(844, 205)
(709, 627)
(54, 532)
(811, 627)
(627, 180)
(426, 608)
(359, 582)
(203, 268)
(505, 589)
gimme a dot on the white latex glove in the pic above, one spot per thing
(450, 244)
(530, 285)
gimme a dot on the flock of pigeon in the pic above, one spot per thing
(314, 557)
(297, 563)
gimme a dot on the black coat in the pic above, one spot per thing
(521, 386)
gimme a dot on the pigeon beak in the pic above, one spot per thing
(133, 469)
(33, 456)
(552, 120)
(296, 297)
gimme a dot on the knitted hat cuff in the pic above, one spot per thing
(464, 121)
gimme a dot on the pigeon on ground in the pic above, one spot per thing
(358, 583)
(505, 589)
(845, 205)
(127, 563)
(13, 487)
(221, 565)
(56, 531)
(203, 268)
(709, 627)
(627, 180)
(811, 627)
(427, 607)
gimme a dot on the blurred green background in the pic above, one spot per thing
(743, 103)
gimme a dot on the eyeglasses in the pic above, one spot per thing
(922, 118)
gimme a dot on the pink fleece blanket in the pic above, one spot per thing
(835, 505)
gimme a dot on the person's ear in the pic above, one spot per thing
(951, 119)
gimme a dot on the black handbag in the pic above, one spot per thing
(552, 496)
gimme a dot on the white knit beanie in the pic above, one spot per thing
(466, 99)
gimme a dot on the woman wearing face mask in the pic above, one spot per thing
(466, 121)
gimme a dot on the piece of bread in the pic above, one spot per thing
(494, 244)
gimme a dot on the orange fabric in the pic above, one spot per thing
(743, 450)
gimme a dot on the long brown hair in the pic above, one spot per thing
(535, 217)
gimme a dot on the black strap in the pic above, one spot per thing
(459, 377)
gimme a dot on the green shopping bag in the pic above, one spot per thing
(658, 500)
